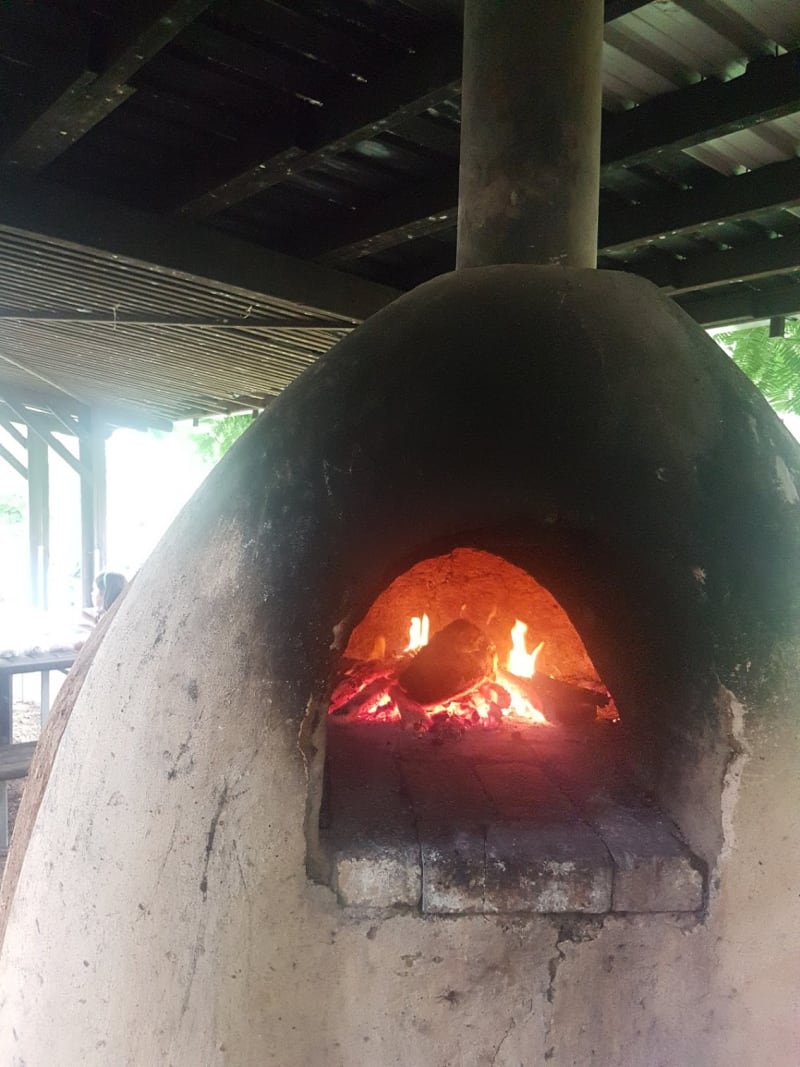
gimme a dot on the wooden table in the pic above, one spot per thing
(16, 757)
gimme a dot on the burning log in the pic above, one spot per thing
(455, 660)
(369, 675)
(559, 701)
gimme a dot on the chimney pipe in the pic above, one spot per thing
(530, 132)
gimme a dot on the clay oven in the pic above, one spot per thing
(188, 889)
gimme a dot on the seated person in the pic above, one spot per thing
(107, 587)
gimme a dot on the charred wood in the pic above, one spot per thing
(455, 660)
(559, 701)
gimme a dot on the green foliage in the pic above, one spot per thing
(773, 363)
(216, 435)
(12, 509)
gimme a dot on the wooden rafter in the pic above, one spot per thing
(38, 426)
(771, 188)
(103, 82)
(769, 89)
(57, 416)
(409, 87)
(623, 227)
(121, 318)
(756, 259)
(13, 462)
(741, 304)
(175, 248)
(423, 211)
(690, 116)
(402, 92)
(12, 430)
(728, 23)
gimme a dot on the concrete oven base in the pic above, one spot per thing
(513, 820)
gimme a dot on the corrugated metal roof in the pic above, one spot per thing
(751, 148)
(668, 44)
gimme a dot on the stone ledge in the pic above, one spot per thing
(653, 870)
(455, 834)
(524, 868)
(552, 869)
(385, 877)
(453, 873)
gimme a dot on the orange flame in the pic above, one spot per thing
(418, 633)
(521, 708)
(520, 661)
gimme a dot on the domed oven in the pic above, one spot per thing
(268, 824)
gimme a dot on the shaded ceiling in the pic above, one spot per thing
(198, 197)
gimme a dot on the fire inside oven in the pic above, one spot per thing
(468, 640)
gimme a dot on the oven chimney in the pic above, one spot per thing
(530, 133)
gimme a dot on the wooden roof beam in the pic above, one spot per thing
(101, 85)
(217, 322)
(626, 227)
(13, 462)
(57, 46)
(623, 227)
(423, 211)
(617, 9)
(176, 248)
(38, 426)
(757, 259)
(57, 415)
(776, 84)
(769, 89)
(728, 23)
(403, 91)
(741, 304)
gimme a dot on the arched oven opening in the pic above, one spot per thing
(467, 640)
(477, 761)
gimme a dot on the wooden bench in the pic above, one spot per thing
(15, 760)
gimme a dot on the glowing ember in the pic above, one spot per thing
(370, 690)
(520, 661)
(418, 633)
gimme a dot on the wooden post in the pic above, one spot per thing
(92, 455)
(98, 445)
(86, 453)
(38, 519)
(529, 182)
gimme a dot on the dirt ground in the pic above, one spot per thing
(26, 728)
